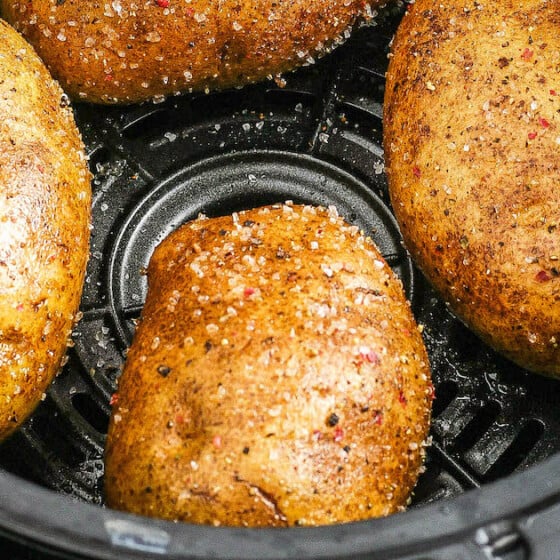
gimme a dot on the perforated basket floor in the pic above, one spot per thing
(317, 140)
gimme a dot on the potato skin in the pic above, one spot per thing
(472, 156)
(125, 51)
(276, 378)
(44, 228)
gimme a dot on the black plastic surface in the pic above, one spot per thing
(318, 139)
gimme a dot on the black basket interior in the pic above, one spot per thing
(315, 139)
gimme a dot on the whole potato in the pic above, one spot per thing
(472, 147)
(125, 51)
(277, 377)
(44, 228)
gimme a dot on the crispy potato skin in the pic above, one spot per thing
(123, 52)
(44, 228)
(277, 377)
(472, 134)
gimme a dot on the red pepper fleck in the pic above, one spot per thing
(163, 3)
(338, 434)
(532, 135)
(114, 399)
(217, 441)
(248, 292)
(402, 398)
(553, 92)
(527, 54)
(190, 12)
(542, 276)
(179, 419)
(416, 171)
(431, 392)
(317, 435)
(378, 418)
(372, 357)
(108, 77)
(369, 356)
(543, 122)
(19, 307)
(366, 355)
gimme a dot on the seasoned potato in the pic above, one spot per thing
(44, 228)
(277, 377)
(125, 51)
(472, 134)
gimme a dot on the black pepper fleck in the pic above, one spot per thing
(503, 62)
(163, 370)
(333, 419)
(245, 451)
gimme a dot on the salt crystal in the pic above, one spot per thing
(153, 37)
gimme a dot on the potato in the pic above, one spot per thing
(44, 228)
(125, 51)
(277, 377)
(472, 134)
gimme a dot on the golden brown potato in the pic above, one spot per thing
(125, 51)
(44, 228)
(472, 134)
(277, 377)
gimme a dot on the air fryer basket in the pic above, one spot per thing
(490, 489)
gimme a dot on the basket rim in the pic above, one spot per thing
(35, 515)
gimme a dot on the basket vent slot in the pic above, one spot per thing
(446, 392)
(477, 427)
(516, 453)
(90, 411)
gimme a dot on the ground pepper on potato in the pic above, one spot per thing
(44, 228)
(472, 139)
(277, 377)
(124, 51)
